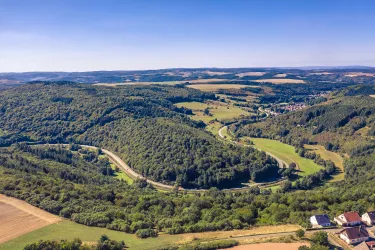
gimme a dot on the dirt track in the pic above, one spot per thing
(18, 217)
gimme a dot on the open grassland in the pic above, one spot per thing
(267, 246)
(214, 127)
(215, 87)
(286, 153)
(121, 175)
(281, 81)
(218, 110)
(18, 217)
(1, 132)
(328, 155)
(70, 230)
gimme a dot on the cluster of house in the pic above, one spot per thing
(354, 227)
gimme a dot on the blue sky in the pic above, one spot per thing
(83, 35)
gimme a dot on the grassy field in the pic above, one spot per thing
(121, 175)
(218, 111)
(328, 155)
(1, 132)
(215, 87)
(286, 153)
(70, 230)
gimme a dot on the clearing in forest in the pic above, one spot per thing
(286, 153)
(328, 155)
(18, 217)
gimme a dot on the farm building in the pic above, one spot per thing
(354, 235)
(369, 218)
(349, 219)
(320, 220)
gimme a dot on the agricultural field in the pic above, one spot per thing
(355, 74)
(215, 87)
(328, 155)
(286, 153)
(218, 110)
(250, 74)
(18, 217)
(69, 230)
(280, 75)
(2, 132)
(267, 246)
(281, 81)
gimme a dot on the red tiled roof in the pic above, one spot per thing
(370, 243)
(355, 232)
(352, 216)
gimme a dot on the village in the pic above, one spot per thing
(354, 232)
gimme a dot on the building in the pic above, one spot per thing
(349, 219)
(365, 246)
(320, 220)
(369, 218)
(354, 235)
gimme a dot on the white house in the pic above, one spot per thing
(354, 235)
(369, 218)
(349, 219)
(320, 220)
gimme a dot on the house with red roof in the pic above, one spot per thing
(354, 235)
(370, 245)
(348, 219)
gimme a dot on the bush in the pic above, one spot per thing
(300, 233)
(146, 233)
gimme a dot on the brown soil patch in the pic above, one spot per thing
(18, 217)
(281, 81)
(250, 74)
(268, 246)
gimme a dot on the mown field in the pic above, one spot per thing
(286, 153)
(328, 155)
(70, 230)
(215, 87)
(218, 110)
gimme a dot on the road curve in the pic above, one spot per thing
(280, 162)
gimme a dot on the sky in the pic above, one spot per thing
(87, 35)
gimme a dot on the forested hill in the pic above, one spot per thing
(345, 124)
(139, 122)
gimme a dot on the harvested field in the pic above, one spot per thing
(215, 87)
(250, 74)
(18, 217)
(280, 75)
(267, 246)
(373, 96)
(354, 74)
(281, 81)
(218, 73)
(321, 73)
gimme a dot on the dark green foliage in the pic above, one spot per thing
(146, 233)
(300, 233)
(320, 238)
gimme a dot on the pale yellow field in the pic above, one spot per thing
(281, 81)
(212, 73)
(373, 96)
(268, 246)
(250, 74)
(214, 87)
(280, 75)
(321, 73)
(354, 74)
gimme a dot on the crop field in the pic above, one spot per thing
(250, 74)
(70, 230)
(18, 217)
(280, 75)
(355, 74)
(281, 81)
(215, 87)
(286, 153)
(328, 155)
(217, 110)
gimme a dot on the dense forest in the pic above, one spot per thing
(140, 123)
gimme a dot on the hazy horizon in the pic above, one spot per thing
(78, 36)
